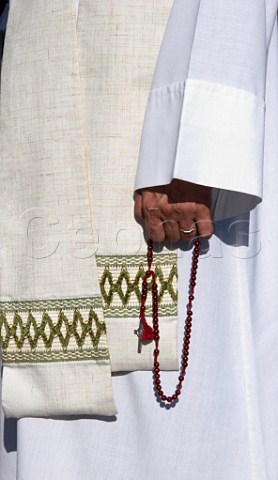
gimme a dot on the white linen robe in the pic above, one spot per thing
(225, 425)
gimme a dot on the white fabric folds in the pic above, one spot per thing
(204, 110)
(212, 121)
(219, 121)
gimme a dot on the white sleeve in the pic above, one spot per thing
(204, 121)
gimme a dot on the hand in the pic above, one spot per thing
(168, 209)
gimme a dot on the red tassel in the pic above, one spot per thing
(147, 333)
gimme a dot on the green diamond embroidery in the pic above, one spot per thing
(72, 329)
(121, 277)
(62, 334)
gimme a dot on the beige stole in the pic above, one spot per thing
(72, 256)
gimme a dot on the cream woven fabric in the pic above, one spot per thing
(72, 103)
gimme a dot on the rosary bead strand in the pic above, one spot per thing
(149, 333)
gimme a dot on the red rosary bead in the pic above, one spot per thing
(153, 333)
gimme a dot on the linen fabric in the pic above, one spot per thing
(225, 424)
(71, 251)
(118, 111)
(43, 160)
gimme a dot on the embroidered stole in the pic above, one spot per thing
(72, 256)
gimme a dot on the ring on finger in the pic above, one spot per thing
(187, 232)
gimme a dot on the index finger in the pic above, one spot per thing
(154, 225)
(204, 223)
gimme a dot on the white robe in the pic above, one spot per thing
(225, 425)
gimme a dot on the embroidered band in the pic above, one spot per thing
(52, 330)
(121, 277)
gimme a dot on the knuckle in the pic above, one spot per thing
(199, 209)
(148, 203)
(166, 209)
(151, 210)
(205, 228)
(168, 224)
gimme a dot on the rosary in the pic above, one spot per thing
(148, 333)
